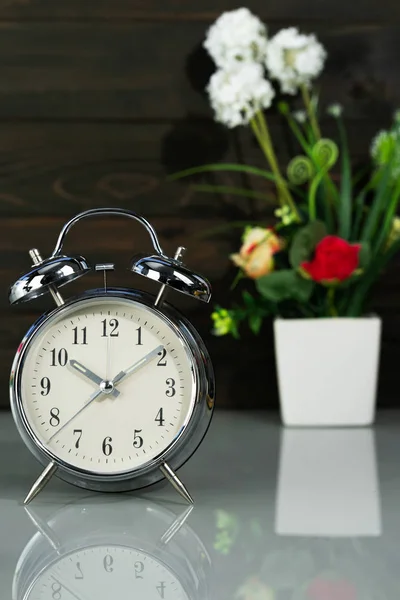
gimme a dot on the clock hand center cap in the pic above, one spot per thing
(107, 387)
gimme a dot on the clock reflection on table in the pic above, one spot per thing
(109, 550)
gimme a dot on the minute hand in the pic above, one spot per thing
(137, 365)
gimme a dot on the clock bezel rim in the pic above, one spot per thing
(180, 449)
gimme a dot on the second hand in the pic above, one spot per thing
(88, 403)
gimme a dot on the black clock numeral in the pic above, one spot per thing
(160, 418)
(78, 433)
(56, 590)
(54, 417)
(162, 362)
(139, 568)
(79, 575)
(107, 448)
(59, 358)
(137, 439)
(80, 336)
(170, 391)
(161, 589)
(111, 326)
(108, 562)
(45, 385)
(139, 337)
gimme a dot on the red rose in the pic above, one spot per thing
(334, 260)
(323, 589)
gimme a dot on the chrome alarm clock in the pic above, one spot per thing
(112, 390)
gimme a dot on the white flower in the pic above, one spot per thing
(237, 95)
(237, 36)
(383, 146)
(335, 110)
(294, 59)
(300, 116)
(385, 149)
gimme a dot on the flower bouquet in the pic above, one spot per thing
(333, 233)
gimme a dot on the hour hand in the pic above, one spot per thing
(80, 368)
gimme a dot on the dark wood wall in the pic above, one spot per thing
(101, 99)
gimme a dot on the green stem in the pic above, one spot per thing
(299, 136)
(265, 149)
(332, 195)
(311, 112)
(261, 131)
(308, 150)
(331, 302)
(312, 195)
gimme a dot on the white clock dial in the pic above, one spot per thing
(75, 408)
(105, 572)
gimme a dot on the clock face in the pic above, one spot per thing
(107, 385)
(105, 572)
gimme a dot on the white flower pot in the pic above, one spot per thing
(327, 370)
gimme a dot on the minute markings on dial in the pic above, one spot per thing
(137, 400)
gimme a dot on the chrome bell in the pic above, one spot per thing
(46, 276)
(172, 272)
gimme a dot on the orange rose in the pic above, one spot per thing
(256, 256)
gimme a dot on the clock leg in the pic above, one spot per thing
(161, 294)
(176, 526)
(174, 480)
(44, 528)
(41, 482)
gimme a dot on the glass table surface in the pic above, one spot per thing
(279, 514)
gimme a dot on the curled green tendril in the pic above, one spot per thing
(300, 170)
(325, 154)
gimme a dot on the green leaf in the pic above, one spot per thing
(358, 214)
(234, 191)
(248, 300)
(364, 257)
(305, 241)
(345, 201)
(379, 204)
(255, 322)
(387, 224)
(285, 285)
(223, 167)
(350, 281)
(358, 299)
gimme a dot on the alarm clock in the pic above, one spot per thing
(115, 549)
(111, 390)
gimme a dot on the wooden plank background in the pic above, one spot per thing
(101, 99)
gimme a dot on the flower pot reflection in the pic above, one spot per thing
(328, 483)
